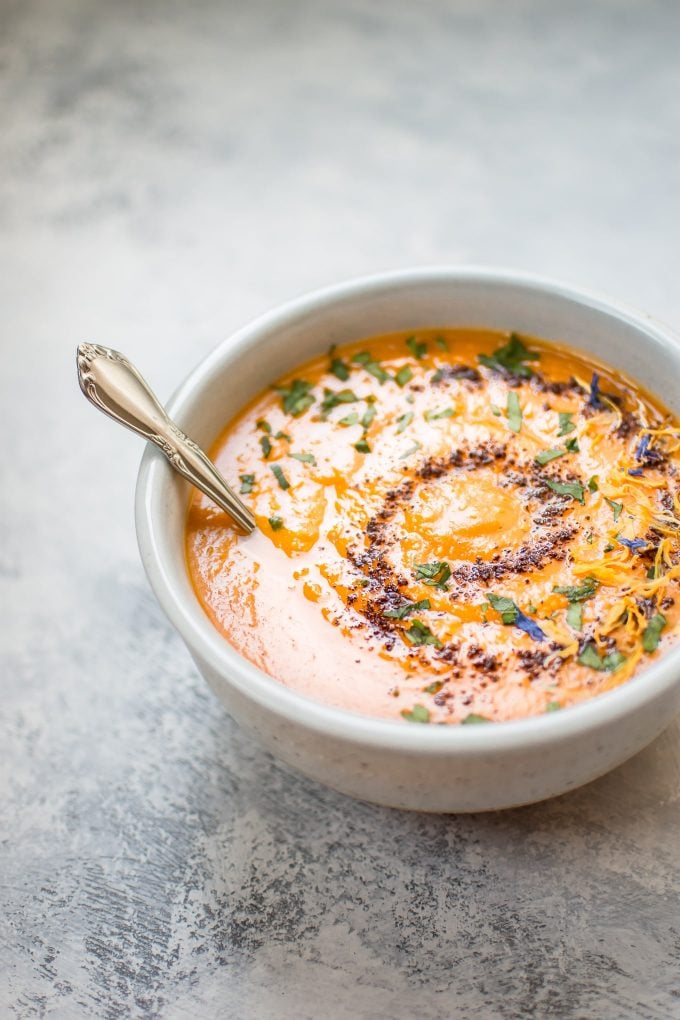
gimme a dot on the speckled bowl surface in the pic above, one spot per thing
(428, 768)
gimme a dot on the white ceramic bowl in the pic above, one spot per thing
(428, 768)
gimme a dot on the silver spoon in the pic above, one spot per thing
(113, 384)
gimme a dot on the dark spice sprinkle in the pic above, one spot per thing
(266, 445)
(275, 523)
(296, 398)
(277, 471)
(247, 482)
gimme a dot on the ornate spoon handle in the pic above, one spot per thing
(113, 384)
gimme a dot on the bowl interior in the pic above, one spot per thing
(258, 354)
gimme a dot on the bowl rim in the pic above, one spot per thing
(203, 639)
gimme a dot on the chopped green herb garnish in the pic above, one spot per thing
(514, 412)
(616, 507)
(350, 419)
(404, 375)
(573, 489)
(305, 458)
(506, 607)
(433, 688)
(368, 416)
(362, 446)
(365, 359)
(571, 445)
(545, 456)
(553, 706)
(566, 424)
(609, 546)
(339, 369)
(532, 609)
(333, 398)
(652, 632)
(446, 412)
(437, 376)
(575, 615)
(296, 398)
(441, 343)
(418, 714)
(263, 425)
(434, 574)
(593, 484)
(265, 443)
(417, 347)
(275, 523)
(282, 435)
(411, 449)
(589, 538)
(495, 409)
(277, 471)
(608, 664)
(403, 611)
(511, 358)
(247, 482)
(578, 592)
(419, 634)
(404, 420)
(472, 718)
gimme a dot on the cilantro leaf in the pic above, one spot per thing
(339, 369)
(511, 358)
(573, 489)
(419, 634)
(566, 424)
(296, 398)
(333, 398)
(305, 458)
(403, 420)
(418, 348)
(616, 507)
(265, 443)
(545, 456)
(652, 632)
(362, 446)
(418, 714)
(434, 574)
(247, 482)
(472, 718)
(275, 523)
(591, 657)
(277, 471)
(575, 615)
(404, 375)
(514, 412)
(403, 611)
(578, 592)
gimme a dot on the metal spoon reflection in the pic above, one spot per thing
(113, 384)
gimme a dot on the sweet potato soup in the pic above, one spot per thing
(454, 526)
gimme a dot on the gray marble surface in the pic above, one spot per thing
(169, 171)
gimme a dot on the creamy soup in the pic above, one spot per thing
(454, 526)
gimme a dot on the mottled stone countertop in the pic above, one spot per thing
(169, 171)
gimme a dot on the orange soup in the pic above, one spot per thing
(454, 526)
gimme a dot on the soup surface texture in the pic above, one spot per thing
(454, 526)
